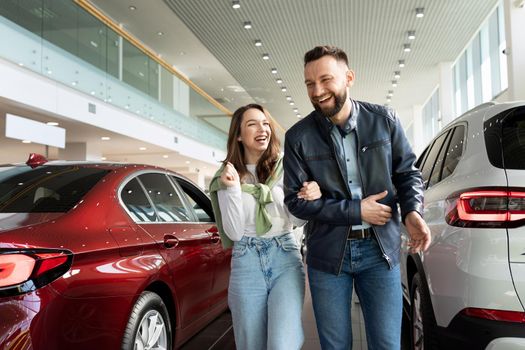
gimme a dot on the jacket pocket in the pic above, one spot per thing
(375, 144)
(324, 156)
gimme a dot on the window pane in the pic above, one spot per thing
(431, 159)
(46, 188)
(135, 67)
(436, 172)
(199, 201)
(137, 203)
(454, 151)
(168, 204)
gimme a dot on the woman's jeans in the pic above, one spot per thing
(379, 292)
(266, 293)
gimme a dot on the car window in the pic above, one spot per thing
(137, 202)
(420, 160)
(197, 199)
(431, 158)
(505, 139)
(438, 164)
(168, 204)
(46, 189)
(454, 151)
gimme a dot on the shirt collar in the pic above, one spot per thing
(350, 123)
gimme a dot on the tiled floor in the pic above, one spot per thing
(219, 334)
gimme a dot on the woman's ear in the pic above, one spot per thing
(239, 139)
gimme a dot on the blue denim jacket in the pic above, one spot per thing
(386, 162)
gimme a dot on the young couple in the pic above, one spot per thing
(349, 197)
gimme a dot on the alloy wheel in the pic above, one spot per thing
(151, 333)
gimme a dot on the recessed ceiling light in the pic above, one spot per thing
(292, 103)
(258, 43)
(390, 93)
(298, 115)
(187, 162)
(283, 89)
(411, 35)
(394, 83)
(105, 138)
(406, 47)
(279, 80)
(26, 141)
(103, 158)
(388, 99)
(236, 4)
(296, 110)
(52, 123)
(165, 156)
(289, 98)
(142, 148)
(397, 74)
(247, 25)
(265, 56)
(132, 8)
(401, 63)
(274, 70)
(420, 12)
(160, 33)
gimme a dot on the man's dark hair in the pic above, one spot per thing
(326, 50)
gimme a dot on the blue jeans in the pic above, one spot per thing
(266, 293)
(379, 292)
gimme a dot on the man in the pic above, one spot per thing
(359, 155)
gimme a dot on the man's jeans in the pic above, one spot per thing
(379, 292)
(266, 293)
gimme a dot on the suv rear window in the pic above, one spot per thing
(45, 189)
(505, 139)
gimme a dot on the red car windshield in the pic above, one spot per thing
(45, 189)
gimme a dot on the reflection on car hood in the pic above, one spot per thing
(9, 221)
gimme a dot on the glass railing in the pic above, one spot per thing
(62, 41)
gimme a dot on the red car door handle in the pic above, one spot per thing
(170, 241)
(215, 237)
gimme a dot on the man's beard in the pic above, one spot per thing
(339, 103)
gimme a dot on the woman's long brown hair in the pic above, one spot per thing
(235, 153)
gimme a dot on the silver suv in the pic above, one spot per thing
(468, 289)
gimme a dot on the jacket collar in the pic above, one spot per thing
(350, 124)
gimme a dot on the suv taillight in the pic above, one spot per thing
(23, 271)
(494, 207)
(496, 315)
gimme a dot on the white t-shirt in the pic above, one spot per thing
(238, 211)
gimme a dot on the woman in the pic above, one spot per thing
(266, 288)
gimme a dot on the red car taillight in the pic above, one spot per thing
(494, 207)
(23, 271)
(496, 315)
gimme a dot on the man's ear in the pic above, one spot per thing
(350, 77)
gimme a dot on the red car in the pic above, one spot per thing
(106, 256)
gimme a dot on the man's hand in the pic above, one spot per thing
(310, 191)
(373, 212)
(229, 176)
(418, 231)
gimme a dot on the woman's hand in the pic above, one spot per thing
(310, 191)
(229, 176)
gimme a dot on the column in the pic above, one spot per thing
(514, 11)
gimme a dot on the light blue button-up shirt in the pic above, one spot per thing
(345, 140)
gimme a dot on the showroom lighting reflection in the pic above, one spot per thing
(265, 56)
(142, 148)
(411, 34)
(247, 25)
(52, 123)
(397, 74)
(236, 4)
(283, 89)
(394, 83)
(274, 70)
(279, 80)
(420, 12)
(105, 138)
(401, 63)
(258, 43)
(406, 47)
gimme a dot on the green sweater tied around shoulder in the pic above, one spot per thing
(262, 194)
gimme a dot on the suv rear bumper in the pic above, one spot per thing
(466, 332)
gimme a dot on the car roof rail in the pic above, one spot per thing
(480, 107)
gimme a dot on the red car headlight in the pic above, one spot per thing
(23, 271)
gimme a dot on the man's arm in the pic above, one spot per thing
(405, 176)
(333, 211)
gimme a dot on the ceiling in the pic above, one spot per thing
(206, 41)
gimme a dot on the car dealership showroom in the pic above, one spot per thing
(120, 180)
